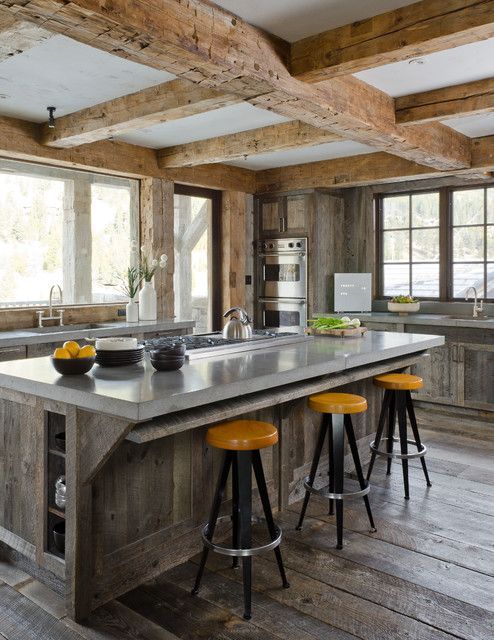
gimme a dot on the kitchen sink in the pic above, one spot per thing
(67, 327)
(467, 317)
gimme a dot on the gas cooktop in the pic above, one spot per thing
(213, 344)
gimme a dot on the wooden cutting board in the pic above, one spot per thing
(357, 332)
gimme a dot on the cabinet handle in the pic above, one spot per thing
(454, 353)
(281, 225)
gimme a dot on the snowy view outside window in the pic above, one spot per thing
(62, 227)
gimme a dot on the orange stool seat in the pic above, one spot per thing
(398, 381)
(344, 403)
(242, 435)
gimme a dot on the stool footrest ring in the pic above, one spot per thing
(420, 453)
(239, 553)
(324, 493)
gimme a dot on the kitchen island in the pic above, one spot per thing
(139, 475)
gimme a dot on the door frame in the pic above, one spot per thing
(216, 244)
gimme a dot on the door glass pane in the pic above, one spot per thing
(396, 246)
(468, 243)
(425, 210)
(425, 280)
(490, 243)
(425, 245)
(468, 275)
(468, 206)
(490, 206)
(490, 280)
(396, 212)
(192, 276)
(396, 279)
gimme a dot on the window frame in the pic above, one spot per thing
(445, 238)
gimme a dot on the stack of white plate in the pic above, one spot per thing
(118, 352)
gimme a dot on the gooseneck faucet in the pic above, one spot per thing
(50, 316)
(476, 306)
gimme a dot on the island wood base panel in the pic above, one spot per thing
(135, 509)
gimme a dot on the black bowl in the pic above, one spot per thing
(73, 366)
(60, 440)
(59, 536)
(168, 364)
(175, 350)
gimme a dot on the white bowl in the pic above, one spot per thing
(116, 344)
(403, 308)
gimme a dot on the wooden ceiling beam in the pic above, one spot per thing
(368, 169)
(415, 30)
(195, 39)
(449, 102)
(19, 36)
(277, 137)
(160, 103)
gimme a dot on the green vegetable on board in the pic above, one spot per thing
(334, 323)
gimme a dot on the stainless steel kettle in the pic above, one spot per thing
(237, 328)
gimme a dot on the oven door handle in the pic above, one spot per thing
(298, 301)
(300, 254)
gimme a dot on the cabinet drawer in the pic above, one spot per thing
(12, 353)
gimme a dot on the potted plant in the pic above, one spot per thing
(129, 285)
(403, 305)
(147, 295)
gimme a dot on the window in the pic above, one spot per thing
(436, 244)
(63, 227)
(410, 245)
(196, 277)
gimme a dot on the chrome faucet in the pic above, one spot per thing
(476, 306)
(50, 315)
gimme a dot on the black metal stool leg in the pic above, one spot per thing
(213, 517)
(266, 505)
(391, 429)
(235, 530)
(379, 432)
(416, 435)
(313, 469)
(330, 462)
(245, 523)
(338, 434)
(402, 424)
(358, 467)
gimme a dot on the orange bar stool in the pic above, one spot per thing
(337, 409)
(398, 400)
(241, 441)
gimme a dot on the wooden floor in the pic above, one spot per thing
(427, 574)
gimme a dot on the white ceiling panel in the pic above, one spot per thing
(326, 151)
(220, 122)
(454, 66)
(296, 19)
(69, 75)
(473, 126)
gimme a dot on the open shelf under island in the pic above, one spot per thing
(139, 474)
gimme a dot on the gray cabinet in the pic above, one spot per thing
(283, 216)
(475, 365)
(381, 326)
(12, 353)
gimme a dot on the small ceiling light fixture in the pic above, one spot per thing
(51, 117)
(416, 61)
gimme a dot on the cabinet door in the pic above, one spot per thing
(271, 218)
(297, 214)
(439, 370)
(476, 375)
(12, 353)
(380, 326)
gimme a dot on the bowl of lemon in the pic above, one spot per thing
(72, 360)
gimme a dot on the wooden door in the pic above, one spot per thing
(271, 217)
(297, 213)
(476, 375)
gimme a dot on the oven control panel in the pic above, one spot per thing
(282, 245)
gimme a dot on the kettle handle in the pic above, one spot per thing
(243, 316)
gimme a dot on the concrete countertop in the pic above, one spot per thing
(21, 337)
(140, 393)
(432, 319)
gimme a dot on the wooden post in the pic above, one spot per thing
(157, 237)
(77, 241)
(233, 232)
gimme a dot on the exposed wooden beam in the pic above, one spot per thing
(19, 140)
(369, 169)
(194, 40)
(415, 30)
(161, 103)
(19, 36)
(277, 137)
(450, 102)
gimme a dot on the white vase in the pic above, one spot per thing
(147, 302)
(132, 311)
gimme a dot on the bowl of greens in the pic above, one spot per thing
(403, 305)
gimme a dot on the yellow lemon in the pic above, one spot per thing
(87, 352)
(61, 353)
(72, 347)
